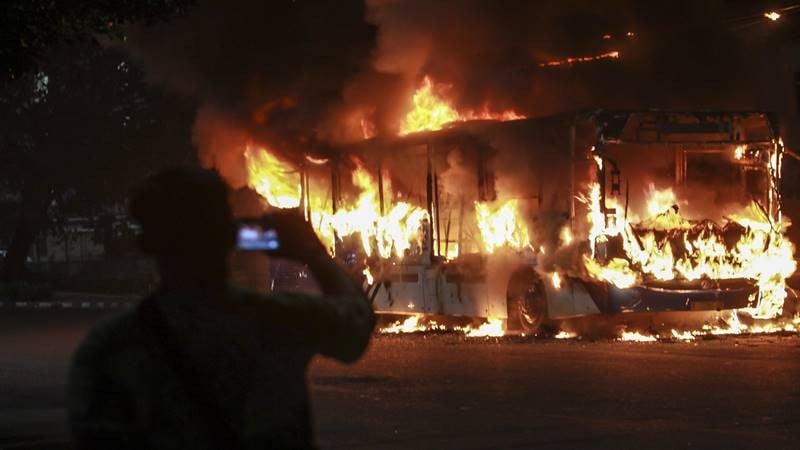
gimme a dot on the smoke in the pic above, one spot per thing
(270, 71)
(680, 54)
(220, 140)
(290, 74)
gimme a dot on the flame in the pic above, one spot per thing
(491, 328)
(565, 235)
(390, 234)
(501, 225)
(662, 210)
(432, 112)
(635, 336)
(273, 178)
(772, 15)
(597, 160)
(368, 274)
(731, 325)
(413, 324)
(580, 59)
(555, 278)
(762, 253)
(682, 336)
(617, 272)
(660, 201)
(739, 152)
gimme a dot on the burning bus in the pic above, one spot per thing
(532, 221)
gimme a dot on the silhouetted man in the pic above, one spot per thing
(200, 364)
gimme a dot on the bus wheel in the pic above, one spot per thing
(526, 303)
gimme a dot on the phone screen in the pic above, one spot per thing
(254, 237)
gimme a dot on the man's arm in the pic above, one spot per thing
(354, 317)
(343, 316)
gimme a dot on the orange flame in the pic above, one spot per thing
(501, 225)
(390, 234)
(432, 112)
(492, 327)
(762, 254)
(273, 178)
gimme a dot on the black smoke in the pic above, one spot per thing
(270, 71)
(298, 73)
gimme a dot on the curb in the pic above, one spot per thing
(72, 305)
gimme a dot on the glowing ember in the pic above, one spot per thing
(501, 225)
(580, 59)
(565, 335)
(432, 112)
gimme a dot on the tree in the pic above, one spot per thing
(30, 28)
(77, 135)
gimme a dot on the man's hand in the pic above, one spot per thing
(297, 241)
(296, 238)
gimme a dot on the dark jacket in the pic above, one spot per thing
(251, 352)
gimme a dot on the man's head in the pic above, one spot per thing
(185, 216)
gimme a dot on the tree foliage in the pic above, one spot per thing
(88, 125)
(29, 28)
(76, 135)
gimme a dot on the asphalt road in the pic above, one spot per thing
(447, 391)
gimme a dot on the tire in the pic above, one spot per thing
(526, 303)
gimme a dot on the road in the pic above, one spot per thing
(448, 391)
